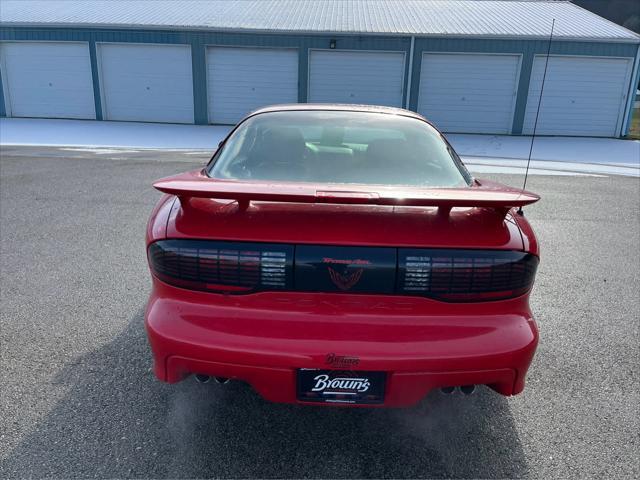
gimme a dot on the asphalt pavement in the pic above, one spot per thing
(78, 398)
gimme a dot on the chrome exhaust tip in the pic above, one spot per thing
(467, 389)
(200, 378)
(447, 390)
(222, 380)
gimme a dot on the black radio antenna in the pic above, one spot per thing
(535, 124)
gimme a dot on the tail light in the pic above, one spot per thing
(445, 274)
(222, 266)
(466, 275)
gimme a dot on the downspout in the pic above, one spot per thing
(413, 41)
(631, 98)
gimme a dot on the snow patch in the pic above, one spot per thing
(92, 134)
(607, 151)
(482, 153)
(537, 166)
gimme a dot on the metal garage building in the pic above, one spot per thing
(468, 65)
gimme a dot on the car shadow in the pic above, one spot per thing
(117, 420)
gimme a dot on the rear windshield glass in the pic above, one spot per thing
(339, 147)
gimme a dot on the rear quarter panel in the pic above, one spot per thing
(529, 240)
(157, 224)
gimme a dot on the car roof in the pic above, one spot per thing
(337, 107)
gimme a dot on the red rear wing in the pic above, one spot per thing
(484, 194)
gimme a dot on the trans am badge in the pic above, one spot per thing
(348, 278)
(345, 281)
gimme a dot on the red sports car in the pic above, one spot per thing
(341, 255)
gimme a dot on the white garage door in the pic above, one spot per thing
(240, 80)
(468, 92)
(582, 96)
(374, 78)
(147, 83)
(47, 79)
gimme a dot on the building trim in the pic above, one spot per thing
(4, 86)
(97, 83)
(631, 96)
(247, 31)
(410, 72)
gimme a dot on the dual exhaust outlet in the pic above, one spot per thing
(464, 389)
(200, 378)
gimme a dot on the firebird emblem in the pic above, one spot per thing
(345, 281)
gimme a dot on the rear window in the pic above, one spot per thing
(339, 147)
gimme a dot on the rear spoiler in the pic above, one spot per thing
(485, 194)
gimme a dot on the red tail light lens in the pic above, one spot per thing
(466, 275)
(222, 266)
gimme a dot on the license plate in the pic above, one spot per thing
(340, 386)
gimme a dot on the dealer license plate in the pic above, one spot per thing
(341, 386)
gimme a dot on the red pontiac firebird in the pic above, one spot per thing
(341, 255)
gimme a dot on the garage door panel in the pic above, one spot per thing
(147, 58)
(72, 64)
(469, 92)
(63, 82)
(132, 112)
(150, 83)
(156, 86)
(582, 96)
(240, 80)
(375, 78)
(33, 96)
(50, 109)
(467, 84)
(167, 102)
(48, 79)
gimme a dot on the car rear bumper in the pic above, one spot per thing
(263, 339)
